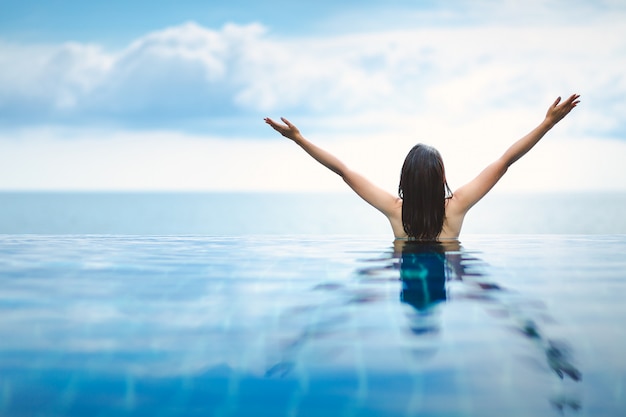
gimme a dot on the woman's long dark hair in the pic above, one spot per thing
(423, 190)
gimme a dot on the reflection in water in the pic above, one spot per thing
(426, 268)
(423, 274)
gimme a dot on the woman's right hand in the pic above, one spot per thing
(558, 110)
(287, 130)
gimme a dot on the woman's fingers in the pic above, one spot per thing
(287, 122)
(573, 99)
(278, 125)
(287, 130)
(558, 110)
(571, 102)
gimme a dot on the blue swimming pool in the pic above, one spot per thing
(312, 326)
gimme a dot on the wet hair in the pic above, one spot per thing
(423, 190)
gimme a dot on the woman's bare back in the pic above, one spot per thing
(451, 225)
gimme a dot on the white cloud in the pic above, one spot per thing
(103, 160)
(469, 90)
(36, 79)
(188, 72)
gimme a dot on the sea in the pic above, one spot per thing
(302, 305)
(248, 213)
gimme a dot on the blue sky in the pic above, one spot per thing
(171, 95)
(116, 22)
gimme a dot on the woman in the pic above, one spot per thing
(425, 208)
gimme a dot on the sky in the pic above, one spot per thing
(171, 95)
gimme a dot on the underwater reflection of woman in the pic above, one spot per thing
(423, 274)
(425, 208)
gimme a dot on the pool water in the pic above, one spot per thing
(312, 326)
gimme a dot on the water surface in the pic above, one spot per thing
(312, 326)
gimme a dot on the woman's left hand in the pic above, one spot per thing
(288, 130)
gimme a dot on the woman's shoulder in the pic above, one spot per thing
(453, 203)
(395, 218)
(454, 218)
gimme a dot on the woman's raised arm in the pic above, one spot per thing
(469, 194)
(377, 197)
